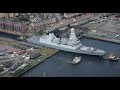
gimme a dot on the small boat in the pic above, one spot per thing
(76, 60)
(112, 57)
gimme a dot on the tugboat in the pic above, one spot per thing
(76, 60)
(112, 57)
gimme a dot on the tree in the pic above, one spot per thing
(40, 32)
(1, 69)
(7, 64)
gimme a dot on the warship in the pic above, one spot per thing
(71, 44)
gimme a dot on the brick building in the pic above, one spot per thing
(13, 27)
(8, 15)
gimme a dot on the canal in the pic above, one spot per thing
(91, 66)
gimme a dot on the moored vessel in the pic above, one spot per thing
(71, 44)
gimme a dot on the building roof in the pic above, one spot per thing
(34, 55)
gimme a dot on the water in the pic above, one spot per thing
(6, 35)
(91, 66)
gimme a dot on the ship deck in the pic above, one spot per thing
(35, 40)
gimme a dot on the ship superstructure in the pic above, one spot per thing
(71, 44)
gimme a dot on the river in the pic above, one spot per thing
(90, 66)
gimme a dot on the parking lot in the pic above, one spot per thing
(108, 27)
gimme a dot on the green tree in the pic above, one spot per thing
(40, 32)
(1, 69)
(7, 64)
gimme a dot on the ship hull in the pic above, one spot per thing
(67, 49)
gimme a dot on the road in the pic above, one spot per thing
(79, 20)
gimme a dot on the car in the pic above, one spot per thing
(105, 17)
(117, 36)
(92, 22)
(98, 21)
(1, 65)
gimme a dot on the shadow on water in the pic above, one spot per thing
(6, 35)
(90, 66)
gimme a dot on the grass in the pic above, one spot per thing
(93, 35)
(11, 43)
(45, 51)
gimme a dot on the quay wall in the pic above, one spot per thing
(38, 62)
(102, 38)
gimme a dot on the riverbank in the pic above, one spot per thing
(37, 62)
(32, 63)
(78, 21)
(44, 51)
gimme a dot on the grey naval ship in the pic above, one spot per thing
(71, 44)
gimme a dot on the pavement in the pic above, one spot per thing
(110, 29)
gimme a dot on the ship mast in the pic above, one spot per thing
(73, 39)
(72, 35)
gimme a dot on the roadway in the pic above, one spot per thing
(78, 20)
